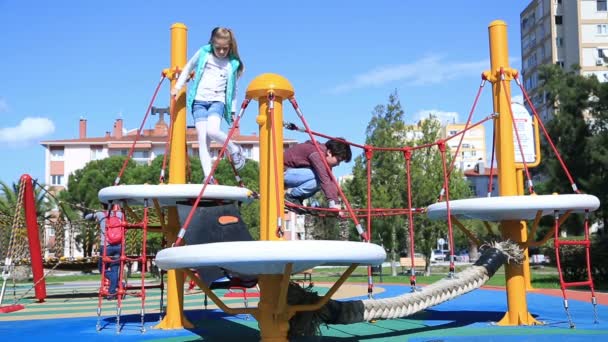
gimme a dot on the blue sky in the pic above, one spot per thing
(101, 60)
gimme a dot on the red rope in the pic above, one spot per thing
(141, 127)
(161, 178)
(483, 82)
(446, 186)
(546, 134)
(273, 139)
(407, 153)
(492, 160)
(363, 234)
(521, 149)
(369, 154)
(182, 231)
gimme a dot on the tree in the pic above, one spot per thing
(9, 195)
(388, 181)
(579, 131)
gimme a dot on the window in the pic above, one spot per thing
(56, 153)
(559, 2)
(141, 154)
(96, 152)
(123, 152)
(542, 52)
(559, 63)
(558, 20)
(451, 133)
(600, 53)
(57, 180)
(602, 29)
(247, 150)
(601, 6)
(559, 41)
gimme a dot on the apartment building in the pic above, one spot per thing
(473, 147)
(566, 33)
(63, 157)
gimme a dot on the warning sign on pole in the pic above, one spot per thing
(524, 124)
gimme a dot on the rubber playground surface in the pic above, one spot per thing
(70, 312)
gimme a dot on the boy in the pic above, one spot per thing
(305, 173)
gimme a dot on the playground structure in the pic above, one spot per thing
(285, 257)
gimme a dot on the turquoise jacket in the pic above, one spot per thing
(204, 53)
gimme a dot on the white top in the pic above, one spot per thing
(170, 194)
(212, 86)
(270, 257)
(513, 207)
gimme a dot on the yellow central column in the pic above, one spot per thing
(273, 317)
(175, 319)
(507, 180)
(271, 149)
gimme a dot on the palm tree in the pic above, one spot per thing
(9, 196)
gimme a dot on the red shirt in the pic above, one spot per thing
(305, 155)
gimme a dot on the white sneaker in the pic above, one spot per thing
(238, 159)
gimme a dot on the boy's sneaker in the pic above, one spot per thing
(238, 159)
(294, 204)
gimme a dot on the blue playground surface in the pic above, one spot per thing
(470, 317)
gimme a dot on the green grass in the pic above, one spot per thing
(542, 278)
(53, 279)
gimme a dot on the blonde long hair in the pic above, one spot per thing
(226, 33)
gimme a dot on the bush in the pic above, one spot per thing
(573, 260)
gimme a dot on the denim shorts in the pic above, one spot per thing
(202, 109)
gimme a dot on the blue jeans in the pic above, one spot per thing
(202, 109)
(302, 181)
(112, 268)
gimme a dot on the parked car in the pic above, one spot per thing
(462, 256)
(438, 255)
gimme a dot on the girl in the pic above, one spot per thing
(212, 93)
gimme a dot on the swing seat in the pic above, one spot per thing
(504, 208)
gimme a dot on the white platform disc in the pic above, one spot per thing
(513, 207)
(270, 257)
(169, 194)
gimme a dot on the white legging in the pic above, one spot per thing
(209, 129)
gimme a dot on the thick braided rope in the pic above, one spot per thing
(446, 289)
(431, 295)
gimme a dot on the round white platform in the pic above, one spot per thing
(513, 207)
(270, 257)
(169, 194)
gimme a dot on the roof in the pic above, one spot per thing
(191, 138)
(486, 173)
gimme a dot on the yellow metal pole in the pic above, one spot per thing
(273, 315)
(526, 264)
(175, 318)
(507, 180)
(271, 165)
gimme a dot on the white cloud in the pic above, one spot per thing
(431, 69)
(3, 105)
(442, 116)
(28, 129)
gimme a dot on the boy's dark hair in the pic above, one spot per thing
(340, 149)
